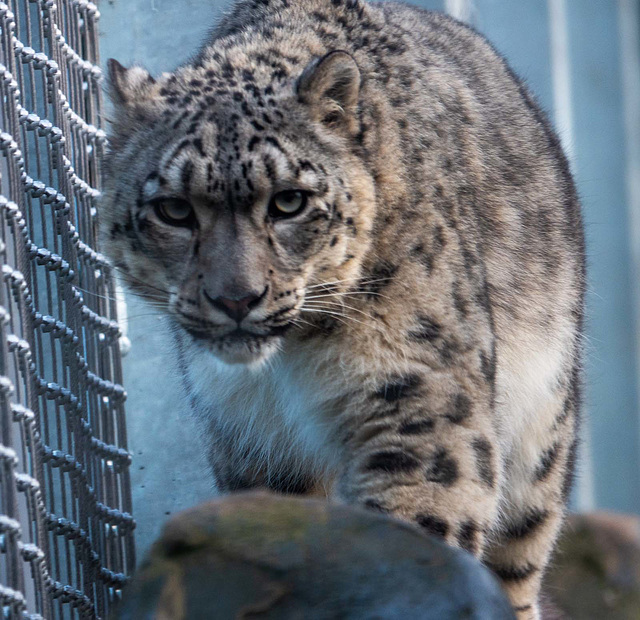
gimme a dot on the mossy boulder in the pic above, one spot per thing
(596, 569)
(258, 555)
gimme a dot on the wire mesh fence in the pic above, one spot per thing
(66, 531)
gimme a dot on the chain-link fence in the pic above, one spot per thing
(66, 531)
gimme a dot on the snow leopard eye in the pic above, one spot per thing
(174, 211)
(287, 203)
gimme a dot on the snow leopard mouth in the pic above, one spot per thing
(241, 346)
(238, 334)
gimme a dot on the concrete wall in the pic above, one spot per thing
(168, 473)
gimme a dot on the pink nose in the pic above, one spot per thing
(237, 309)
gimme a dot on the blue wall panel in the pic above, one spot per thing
(611, 395)
(519, 31)
(432, 5)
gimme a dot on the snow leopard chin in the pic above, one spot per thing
(251, 351)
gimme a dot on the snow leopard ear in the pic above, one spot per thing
(128, 86)
(331, 87)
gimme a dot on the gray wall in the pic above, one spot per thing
(168, 473)
(581, 59)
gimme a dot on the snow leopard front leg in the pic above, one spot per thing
(421, 447)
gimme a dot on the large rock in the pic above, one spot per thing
(257, 555)
(596, 570)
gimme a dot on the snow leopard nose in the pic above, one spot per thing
(237, 307)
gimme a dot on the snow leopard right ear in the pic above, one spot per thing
(128, 86)
(330, 86)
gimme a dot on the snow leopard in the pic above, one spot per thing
(368, 246)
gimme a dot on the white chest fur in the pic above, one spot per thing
(279, 412)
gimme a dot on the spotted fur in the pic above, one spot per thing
(413, 337)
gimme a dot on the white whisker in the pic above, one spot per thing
(347, 294)
(343, 305)
(362, 281)
(322, 310)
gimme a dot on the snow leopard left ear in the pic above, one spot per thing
(331, 87)
(128, 86)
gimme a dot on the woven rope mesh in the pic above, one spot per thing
(66, 531)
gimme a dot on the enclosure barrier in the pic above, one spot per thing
(66, 530)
